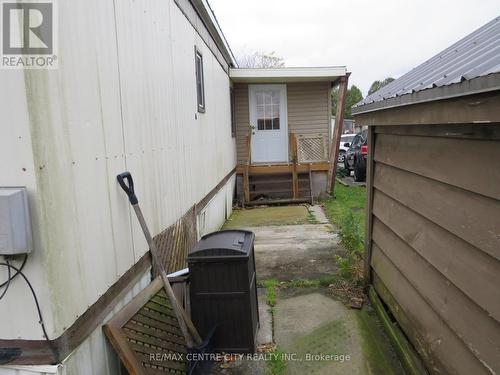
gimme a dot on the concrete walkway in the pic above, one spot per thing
(295, 251)
(314, 333)
(285, 250)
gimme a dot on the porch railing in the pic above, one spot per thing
(305, 150)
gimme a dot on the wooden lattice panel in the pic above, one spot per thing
(146, 334)
(175, 242)
(311, 148)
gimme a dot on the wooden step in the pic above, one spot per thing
(264, 192)
(279, 187)
(278, 181)
(278, 201)
(263, 182)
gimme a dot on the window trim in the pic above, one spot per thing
(199, 56)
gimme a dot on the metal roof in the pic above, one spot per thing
(476, 55)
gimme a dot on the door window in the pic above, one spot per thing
(268, 110)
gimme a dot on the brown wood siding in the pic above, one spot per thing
(308, 111)
(435, 240)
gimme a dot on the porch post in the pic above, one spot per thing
(339, 122)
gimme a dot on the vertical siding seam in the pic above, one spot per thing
(122, 119)
(175, 115)
(113, 236)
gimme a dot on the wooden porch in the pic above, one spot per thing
(291, 182)
(312, 152)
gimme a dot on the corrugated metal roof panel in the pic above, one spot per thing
(476, 55)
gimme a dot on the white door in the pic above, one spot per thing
(268, 117)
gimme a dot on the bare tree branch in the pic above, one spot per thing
(259, 60)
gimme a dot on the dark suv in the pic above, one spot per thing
(355, 158)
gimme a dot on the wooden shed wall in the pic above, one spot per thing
(435, 240)
(309, 111)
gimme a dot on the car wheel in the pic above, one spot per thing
(341, 158)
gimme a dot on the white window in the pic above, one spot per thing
(268, 110)
(200, 86)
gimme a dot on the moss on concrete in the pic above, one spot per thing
(254, 217)
(331, 338)
(379, 355)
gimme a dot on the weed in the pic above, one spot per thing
(341, 172)
(311, 218)
(347, 212)
(270, 285)
(345, 266)
(323, 281)
(276, 364)
(301, 283)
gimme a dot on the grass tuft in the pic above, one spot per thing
(311, 218)
(270, 285)
(276, 364)
(347, 212)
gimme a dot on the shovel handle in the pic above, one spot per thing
(127, 184)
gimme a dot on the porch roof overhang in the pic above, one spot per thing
(283, 75)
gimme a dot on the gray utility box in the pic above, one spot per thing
(15, 227)
(223, 290)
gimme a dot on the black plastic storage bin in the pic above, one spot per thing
(223, 290)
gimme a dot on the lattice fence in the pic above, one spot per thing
(311, 148)
(146, 332)
(175, 242)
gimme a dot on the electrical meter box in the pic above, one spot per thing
(15, 224)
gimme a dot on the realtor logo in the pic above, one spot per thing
(29, 31)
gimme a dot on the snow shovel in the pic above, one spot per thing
(188, 329)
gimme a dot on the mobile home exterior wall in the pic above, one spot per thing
(123, 98)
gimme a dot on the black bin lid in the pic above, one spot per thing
(224, 244)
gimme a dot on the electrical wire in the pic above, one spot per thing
(17, 273)
(9, 279)
(36, 302)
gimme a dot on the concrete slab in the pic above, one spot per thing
(314, 324)
(282, 215)
(265, 334)
(349, 181)
(325, 337)
(295, 251)
(319, 214)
